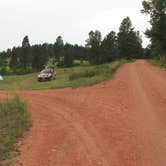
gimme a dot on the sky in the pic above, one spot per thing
(44, 20)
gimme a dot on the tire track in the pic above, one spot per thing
(118, 122)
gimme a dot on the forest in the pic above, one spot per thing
(127, 44)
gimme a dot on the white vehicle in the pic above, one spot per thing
(1, 78)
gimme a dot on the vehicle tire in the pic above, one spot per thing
(50, 79)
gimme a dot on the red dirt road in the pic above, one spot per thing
(121, 122)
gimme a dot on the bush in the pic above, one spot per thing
(158, 62)
(88, 73)
(14, 121)
(105, 70)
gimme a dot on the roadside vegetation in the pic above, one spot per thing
(66, 77)
(14, 121)
(158, 62)
(105, 70)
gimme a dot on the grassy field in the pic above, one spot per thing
(66, 77)
(14, 121)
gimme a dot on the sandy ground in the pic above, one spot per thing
(121, 122)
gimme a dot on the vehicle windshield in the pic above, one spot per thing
(45, 72)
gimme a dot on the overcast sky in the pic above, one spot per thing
(44, 20)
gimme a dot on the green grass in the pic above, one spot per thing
(158, 62)
(66, 77)
(105, 70)
(81, 63)
(14, 121)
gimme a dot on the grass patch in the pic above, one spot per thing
(158, 62)
(87, 73)
(66, 77)
(105, 70)
(14, 121)
(81, 63)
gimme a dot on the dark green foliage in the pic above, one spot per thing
(94, 43)
(69, 53)
(106, 70)
(126, 44)
(3, 71)
(39, 56)
(157, 33)
(25, 54)
(15, 54)
(158, 62)
(147, 52)
(14, 121)
(88, 73)
(3, 65)
(57, 49)
(80, 52)
(129, 41)
(109, 47)
(67, 56)
(26, 59)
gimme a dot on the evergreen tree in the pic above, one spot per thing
(14, 58)
(25, 56)
(67, 56)
(109, 47)
(39, 56)
(58, 47)
(157, 33)
(129, 41)
(4, 62)
(94, 43)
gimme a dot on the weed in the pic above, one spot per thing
(14, 121)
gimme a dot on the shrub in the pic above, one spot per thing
(88, 73)
(14, 121)
(105, 70)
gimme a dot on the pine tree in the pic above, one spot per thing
(94, 43)
(58, 47)
(25, 56)
(14, 58)
(109, 47)
(129, 41)
(157, 33)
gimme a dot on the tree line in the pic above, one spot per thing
(127, 43)
(27, 58)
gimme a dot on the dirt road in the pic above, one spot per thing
(121, 122)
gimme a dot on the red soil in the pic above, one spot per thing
(121, 122)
